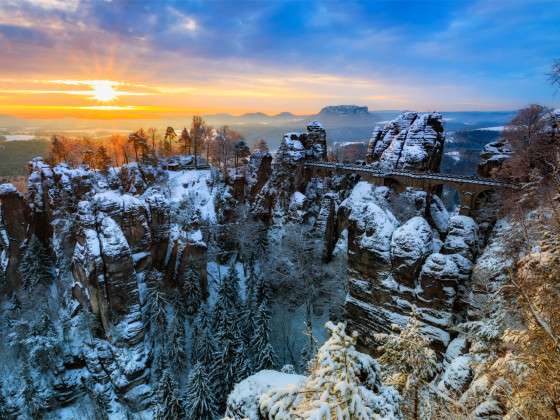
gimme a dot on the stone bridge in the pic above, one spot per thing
(468, 187)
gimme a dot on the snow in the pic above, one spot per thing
(112, 239)
(375, 224)
(439, 214)
(412, 240)
(496, 128)
(455, 376)
(7, 189)
(462, 237)
(243, 402)
(193, 186)
(454, 154)
(19, 137)
(297, 199)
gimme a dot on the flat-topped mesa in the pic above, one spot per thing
(412, 141)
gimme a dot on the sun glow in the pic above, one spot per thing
(104, 91)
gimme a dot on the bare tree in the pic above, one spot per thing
(554, 74)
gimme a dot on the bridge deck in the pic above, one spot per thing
(463, 179)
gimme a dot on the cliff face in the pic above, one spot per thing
(105, 235)
(406, 255)
(288, 175)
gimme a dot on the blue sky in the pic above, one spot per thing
(288, 55)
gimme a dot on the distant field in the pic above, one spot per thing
(14, 155)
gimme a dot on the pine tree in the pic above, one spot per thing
(176, 349)
(262, 293)
(168, 140)
(139, 142)
(408, 362)
(260, 146)
(227, 365)
(200, 400)
(58, 150)
(102, 159)
(89, 158)
(170, 404)
(343, 384)
(5, 410)
(34, 402)
(35, 264)
(102, 405)
(191, 290)
(204, 349)
(186, 142)
(226, 309)
(264, 354)
(310, 348)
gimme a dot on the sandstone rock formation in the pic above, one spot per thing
(288, 175)
(105, 233)
(413, 141)
(406, 256)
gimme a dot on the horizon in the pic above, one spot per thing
(81, 59)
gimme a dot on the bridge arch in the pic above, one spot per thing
(468, 187)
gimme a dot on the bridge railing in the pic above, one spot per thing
(411, 174)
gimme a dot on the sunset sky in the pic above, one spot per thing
(117, 59)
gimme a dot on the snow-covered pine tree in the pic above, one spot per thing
(248, 327)
(310, 347)
(176, 349)
(262, 291)
(227, 307)
(227, 364)
(343, 385)
(170, 405)
(191, 290)
(264, 354)
(5, 410)
(35, 264)
(408, 362)
(33, 401)
(200, 400)
(15, 304)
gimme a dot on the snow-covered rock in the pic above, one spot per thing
(411, 243)
(462, 237)
(412, 141)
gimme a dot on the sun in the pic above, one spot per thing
(104, 91)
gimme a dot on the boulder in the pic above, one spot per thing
(411, 243)
(462, 237)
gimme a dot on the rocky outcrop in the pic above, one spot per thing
(105, 234)
(411, 243)
(13, 230)
(492, 157)
(395, 270)
(259, 169)
(413, 141)
(406, 255)
(288, 174)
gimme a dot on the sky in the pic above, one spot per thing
(137, 59)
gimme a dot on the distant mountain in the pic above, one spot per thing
(350, 110)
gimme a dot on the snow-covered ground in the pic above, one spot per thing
(454, 154)
(195, 186)
(19, 137)
(497, 128)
